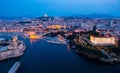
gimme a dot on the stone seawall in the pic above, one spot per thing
(13, 53)
(95, 54)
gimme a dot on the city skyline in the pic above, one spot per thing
(58, 7)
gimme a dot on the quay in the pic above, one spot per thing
(14, 68)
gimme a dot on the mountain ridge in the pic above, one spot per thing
(97, 15)
(93, 15)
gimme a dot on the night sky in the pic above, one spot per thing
(58, 7)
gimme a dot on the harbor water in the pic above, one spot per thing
(43, 57)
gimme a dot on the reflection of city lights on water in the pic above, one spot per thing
(68, 48)
(33, 40)
(35, 37)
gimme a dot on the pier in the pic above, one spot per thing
(14, 68)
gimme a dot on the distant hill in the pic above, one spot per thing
(9, 18)
(95, 15)
(14, 17)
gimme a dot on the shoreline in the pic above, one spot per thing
(95, 54)
(13, 53)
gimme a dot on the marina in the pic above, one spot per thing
(56, 40)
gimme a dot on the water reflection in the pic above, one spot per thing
(43, 57)
(33, 41)
(68, 48)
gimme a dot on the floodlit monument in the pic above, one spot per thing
(102, 40)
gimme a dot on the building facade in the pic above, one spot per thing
(103, 40)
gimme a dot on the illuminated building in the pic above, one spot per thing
(56, 27)
(30, 33)
(102, 40)
(45, 15)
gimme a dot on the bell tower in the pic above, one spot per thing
(45, 15)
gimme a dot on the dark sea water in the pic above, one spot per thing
(43, 57)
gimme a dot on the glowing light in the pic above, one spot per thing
(30, 33)
(34, 36)
(103, 40)
(56, 27)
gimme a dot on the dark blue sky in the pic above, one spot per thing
(58, 7)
